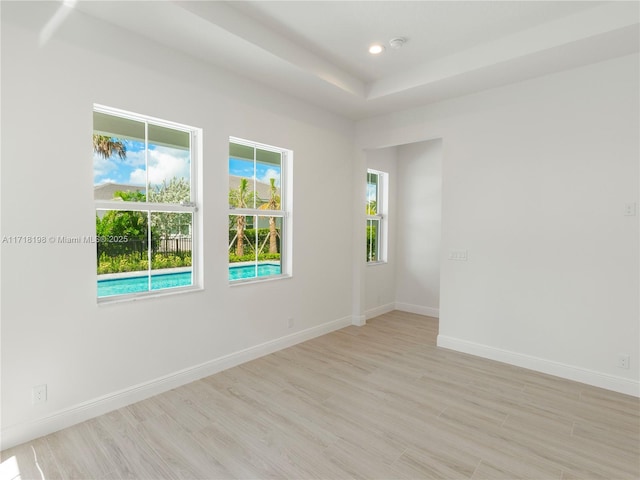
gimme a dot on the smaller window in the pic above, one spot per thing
(376, 222)
(259, 211)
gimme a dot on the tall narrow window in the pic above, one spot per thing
(258, 211)
(376, 182)
(145, 198)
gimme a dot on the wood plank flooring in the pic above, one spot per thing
(379, 401)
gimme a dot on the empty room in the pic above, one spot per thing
(320, 239)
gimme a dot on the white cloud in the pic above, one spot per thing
(107, 180)
(270, 173)
(138, 177)
(164, 164)
(134, 159)
(101, 167)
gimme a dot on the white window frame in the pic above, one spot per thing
(195, 148)
(381, 216)
(285, 212)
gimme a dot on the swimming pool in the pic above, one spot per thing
(249, 271)
(120, 286)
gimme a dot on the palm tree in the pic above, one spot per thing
(372, 207)
(273, 204)
(239, 198)
(106, 146)
(372, 231)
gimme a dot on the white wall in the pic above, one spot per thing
(380, 278)
(97, 357)
(419, 214)
(535, 179)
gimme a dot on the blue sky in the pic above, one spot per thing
(371, 192)
(164, 163)
(244, 168)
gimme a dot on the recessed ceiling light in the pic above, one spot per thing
(376, 49)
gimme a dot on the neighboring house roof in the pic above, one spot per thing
(106, 191)
(263, 189)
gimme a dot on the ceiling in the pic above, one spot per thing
(317, 50)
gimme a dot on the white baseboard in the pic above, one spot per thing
(374, 312)
(13, 435)
(359, 320)
(418, 309)
(570, 372)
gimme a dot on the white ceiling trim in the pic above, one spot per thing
(543, 38)
(248, 29)
(223, 35)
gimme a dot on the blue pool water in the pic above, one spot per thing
(120, 286)
(249, 271)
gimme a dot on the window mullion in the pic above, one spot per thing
(256, 241)
(146, 159)
(193, 179)
(149, 252)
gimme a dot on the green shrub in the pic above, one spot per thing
(250, 257)
(164, 260)
(133, 262)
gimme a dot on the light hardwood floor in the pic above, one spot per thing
(379, 401)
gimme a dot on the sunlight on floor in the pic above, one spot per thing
(9, 469)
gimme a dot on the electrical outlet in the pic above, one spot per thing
(623, 360)
(39, 394)
(458, 255)
(630, 209)
(290, 323)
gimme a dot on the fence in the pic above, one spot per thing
(137, 247)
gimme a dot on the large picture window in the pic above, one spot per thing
(258, 211)
(376, 228)
(145, 198)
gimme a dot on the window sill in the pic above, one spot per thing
(379, 262)
(134, 297)
(251, 281)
